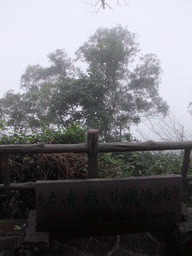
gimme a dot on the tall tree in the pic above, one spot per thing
(61, 68)
(42, 84)
(27, 110)
(128, 93)
(114, 93)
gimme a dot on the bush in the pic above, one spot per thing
(24, 168)
(127, 164)
(16, 204)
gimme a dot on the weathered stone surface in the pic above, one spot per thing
(141, 244)
(180, 239)
(72, 208)
(30, 236)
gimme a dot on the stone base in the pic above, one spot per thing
(38, 244)
(30, 236)
(179, 241)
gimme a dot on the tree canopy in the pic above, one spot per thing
(113, 93)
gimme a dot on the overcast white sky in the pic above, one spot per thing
(30, 29)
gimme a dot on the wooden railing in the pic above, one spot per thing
(92, 148)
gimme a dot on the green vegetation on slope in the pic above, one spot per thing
(16, 204)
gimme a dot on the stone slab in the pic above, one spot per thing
(75, 208)
(100, 245)
(180, 240)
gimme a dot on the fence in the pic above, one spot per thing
(92, 148)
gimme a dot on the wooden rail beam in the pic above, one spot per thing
(83, 147)
(143, 146)
(30, 185)
(43, 148)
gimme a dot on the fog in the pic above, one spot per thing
(31, 29)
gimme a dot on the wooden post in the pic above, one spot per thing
(186, 162)
(5, 169)
(92, 141)
(185, 168)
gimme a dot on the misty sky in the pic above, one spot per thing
(30, 29)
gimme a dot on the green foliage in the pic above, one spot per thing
(126, 164)
(70, 135)
(3, 125)
(122, 94)
(111, 95)
(16, 204)
(24, 168)
(27, 249)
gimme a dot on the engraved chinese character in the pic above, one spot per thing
(91, 199)
(115, 198)
(163, 195)
(131, 197)
(147, 196)
(52, 201)
(71, 199)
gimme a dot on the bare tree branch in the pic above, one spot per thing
(167, 129)
(125, 3)
(103, 4)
